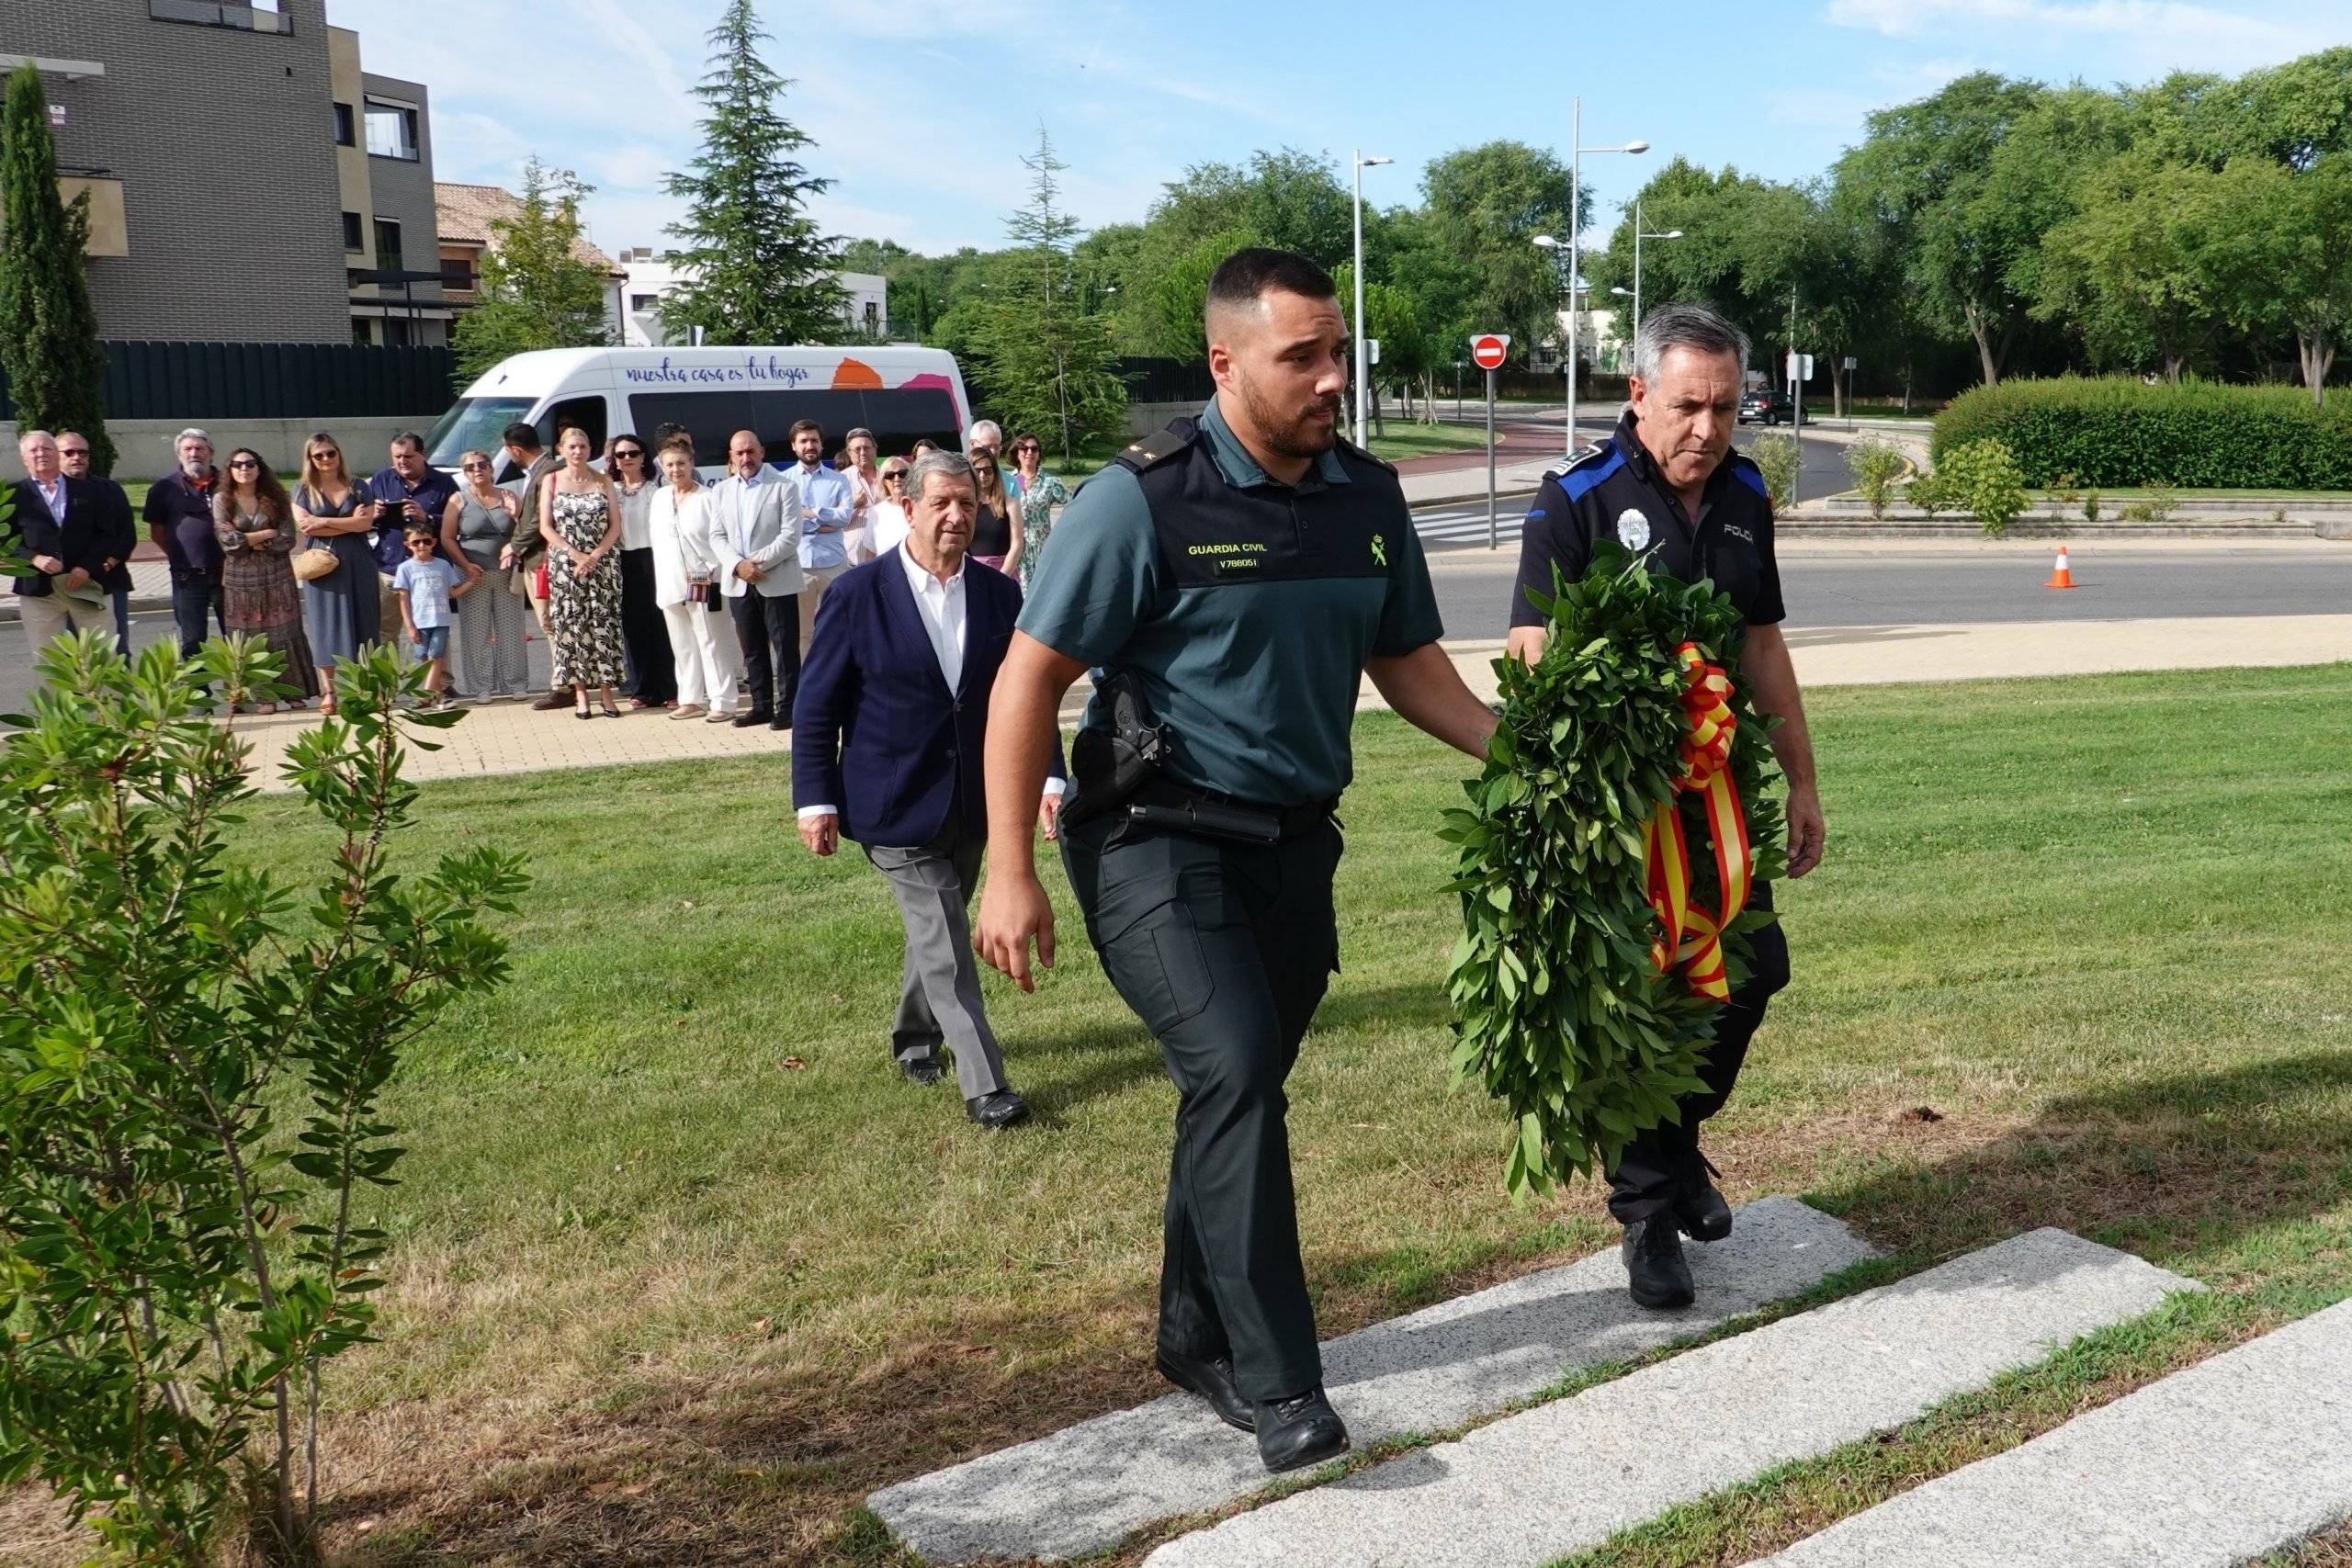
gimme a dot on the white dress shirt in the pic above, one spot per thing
(947, 621)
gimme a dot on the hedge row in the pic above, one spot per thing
(2116, 431)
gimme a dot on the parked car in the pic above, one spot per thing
(1766, 407)
(899, 392)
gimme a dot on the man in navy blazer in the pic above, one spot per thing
(887, 741)
(62, 530)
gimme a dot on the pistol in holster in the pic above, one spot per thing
(1109, 765)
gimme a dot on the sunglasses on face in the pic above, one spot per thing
(245, 463)
(625, 452)
(470, 468)
(73, 451)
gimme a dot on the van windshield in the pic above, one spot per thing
(471, 424)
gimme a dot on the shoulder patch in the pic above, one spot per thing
(1583, 476)
(1351, 450)
(1151, 451)
(1743, 469)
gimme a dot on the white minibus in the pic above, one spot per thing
(902, 393)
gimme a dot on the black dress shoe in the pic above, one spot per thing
(1701, 1213)
(780, 724)
(1002, 1108)
(925, 1070)
(1298, 1431)
(1655, 1270)
(1213, 1380)
(756, 715)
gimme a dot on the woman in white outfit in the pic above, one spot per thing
(685, 586)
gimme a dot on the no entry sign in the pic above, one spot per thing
(1488, 350)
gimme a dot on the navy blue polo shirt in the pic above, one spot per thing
(1614, 493)
(427, 499)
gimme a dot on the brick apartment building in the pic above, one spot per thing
(243, 170)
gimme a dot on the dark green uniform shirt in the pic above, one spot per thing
(1247, 624)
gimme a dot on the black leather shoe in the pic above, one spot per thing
(1655, 1270)
(757, 716)
(1213, 1380)
(1701, 1213)
(780, 724)
(925, 1070)
(1298, 1431)
(1002, 1108)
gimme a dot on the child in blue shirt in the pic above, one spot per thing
(428, 585)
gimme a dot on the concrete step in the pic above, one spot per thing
(1088, 1486)
(2230, 1459)
(1568, 1475)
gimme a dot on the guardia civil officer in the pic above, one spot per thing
(1668, 485)
(1230, 579)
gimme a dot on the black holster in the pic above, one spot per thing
(1107, 766)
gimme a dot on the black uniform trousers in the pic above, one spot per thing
(769, 632)
(643, 633)
(1661, 1163)
(1224, 950)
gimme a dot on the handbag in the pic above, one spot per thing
(315, 562)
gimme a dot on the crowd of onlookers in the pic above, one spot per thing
(623, 560)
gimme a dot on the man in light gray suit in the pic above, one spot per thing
(755, 534)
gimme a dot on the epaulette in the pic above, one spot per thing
(1590, 454)
(1356, 451)
(1160, 446)
(1584, 472)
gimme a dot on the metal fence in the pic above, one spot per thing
(225, 382)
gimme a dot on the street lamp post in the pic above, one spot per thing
(1576, 150)
(1362, 162)
(1638, 237)
(1567, 287)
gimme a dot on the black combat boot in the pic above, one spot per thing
(1700, 1208)
(1655, 1270)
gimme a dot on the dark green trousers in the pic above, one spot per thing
(1224, 950)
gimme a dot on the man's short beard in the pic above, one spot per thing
(1287, 434)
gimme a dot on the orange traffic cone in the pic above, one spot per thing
(2063, 574)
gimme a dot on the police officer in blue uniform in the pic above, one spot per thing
(1230, 580)
(1666, 485)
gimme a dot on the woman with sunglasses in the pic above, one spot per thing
(342, 607)
(253, 517)
(477, 530)
(634, 484)
(996, 530)
(1041, 498)
(886, 521)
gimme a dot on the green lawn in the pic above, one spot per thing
(1409, 440)
(681, 1271)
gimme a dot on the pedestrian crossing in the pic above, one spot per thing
(1452, 526)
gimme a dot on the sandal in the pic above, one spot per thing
(638, 704)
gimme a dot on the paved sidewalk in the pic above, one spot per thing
(508, 738)
(1872, 656)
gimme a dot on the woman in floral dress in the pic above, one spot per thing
(254, 519)
(580, 518)
(1040, 496)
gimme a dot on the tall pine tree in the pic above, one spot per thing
(755, 267)
(48, 332)
(1045, 355)
(536, 293)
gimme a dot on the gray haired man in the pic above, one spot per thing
(1668, 487)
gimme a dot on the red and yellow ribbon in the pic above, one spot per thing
(1691, 939)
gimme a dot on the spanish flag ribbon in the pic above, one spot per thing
(1691, 939)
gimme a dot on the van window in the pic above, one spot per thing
(898, 418)
(587, 412)
(902, 417)
(711, 418)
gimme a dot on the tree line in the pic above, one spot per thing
(2197, 224)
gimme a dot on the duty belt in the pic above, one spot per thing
(1159, 803)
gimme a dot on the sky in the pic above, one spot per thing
(921, 111)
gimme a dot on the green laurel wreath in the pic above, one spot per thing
(1559, 1010)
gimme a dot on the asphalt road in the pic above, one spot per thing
(1867, 583)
